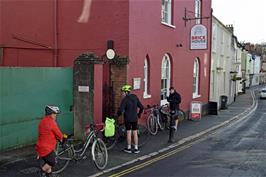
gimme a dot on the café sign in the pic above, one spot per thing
(198, 37)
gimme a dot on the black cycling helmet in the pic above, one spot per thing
(49, 109)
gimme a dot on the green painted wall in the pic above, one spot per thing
(24, 92)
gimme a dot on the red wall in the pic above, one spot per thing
(46, 33)
(147, 36)
(31, 30)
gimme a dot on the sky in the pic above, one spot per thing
(247, 16)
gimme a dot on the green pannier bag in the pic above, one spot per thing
(109, 129)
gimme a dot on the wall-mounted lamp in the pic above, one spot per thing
(179, 45)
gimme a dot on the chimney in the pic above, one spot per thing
(230, 27)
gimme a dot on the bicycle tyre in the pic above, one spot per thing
(143, 135)
(152, 124)
(63, 157)
(181, 115)
(99, 154)
(162, 122)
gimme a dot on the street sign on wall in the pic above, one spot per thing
(198, 37)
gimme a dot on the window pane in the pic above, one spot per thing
(165, 76)
(163, 89)
(166, 11)
(146, 77)
(197, 10)
(196, 77)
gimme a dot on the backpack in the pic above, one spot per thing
(109, 130)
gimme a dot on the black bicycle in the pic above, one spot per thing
(121, 134)
(68, 152)
(155, 120)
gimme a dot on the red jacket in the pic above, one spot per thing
(48, 134)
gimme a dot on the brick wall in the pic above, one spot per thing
(118, 79)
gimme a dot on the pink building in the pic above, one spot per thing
(154, 35)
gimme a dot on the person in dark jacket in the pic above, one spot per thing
(174, 100)
(131, 108)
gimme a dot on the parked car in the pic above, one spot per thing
(263, 93)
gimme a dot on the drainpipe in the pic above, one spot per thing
(55, 51)
(210, 53)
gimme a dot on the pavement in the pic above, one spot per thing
(187, 131)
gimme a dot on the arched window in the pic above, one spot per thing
(165, 78)
(196, 78)
(146, 79)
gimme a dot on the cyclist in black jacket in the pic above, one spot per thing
(174, 100)
(129, 108)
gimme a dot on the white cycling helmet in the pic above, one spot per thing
(49, 109)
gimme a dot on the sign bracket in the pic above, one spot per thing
(186, 18)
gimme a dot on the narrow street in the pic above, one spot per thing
(234, 151)
(192, 149)
(77, 73)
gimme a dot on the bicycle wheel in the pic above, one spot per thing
(143, 135)
(181, 115)
(121, 133)
(162, 121)
(99, 154)
(110, 142)
(63, 157)
(152, 124)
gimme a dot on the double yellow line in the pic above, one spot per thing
(149, 162)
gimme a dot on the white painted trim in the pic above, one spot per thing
(196, 96)
(145, 96)
(169, 25)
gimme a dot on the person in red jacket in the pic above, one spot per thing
(48, 134)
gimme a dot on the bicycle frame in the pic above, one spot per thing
(70, 152)
(90, 137)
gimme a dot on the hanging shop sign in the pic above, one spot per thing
(198, 37)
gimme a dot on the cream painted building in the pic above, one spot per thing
(221, 61)
(236, 77)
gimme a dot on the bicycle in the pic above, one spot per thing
(155, 121)
(120, 135)
(165, 113)
(68, 152)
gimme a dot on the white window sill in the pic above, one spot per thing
(145, 96)
(169, 25)
(196, 96)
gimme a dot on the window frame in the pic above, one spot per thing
(146, 78)
(198, 8)
(167, 13)
(196, 78)
(165, 78)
